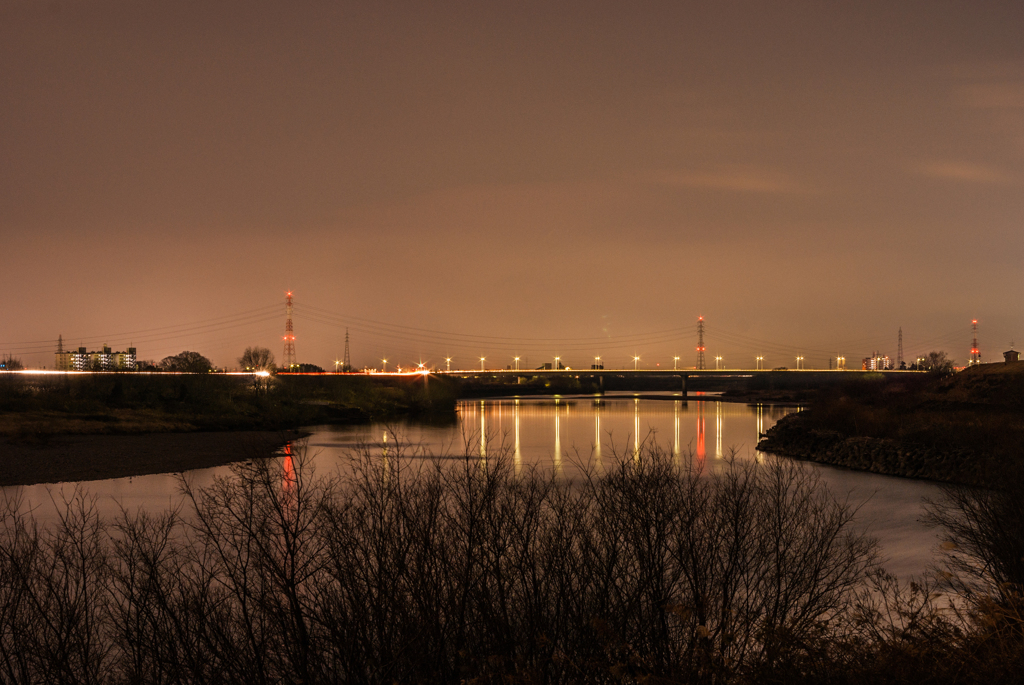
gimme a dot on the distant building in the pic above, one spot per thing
(104, 360)
(1011, 356)
(876, 362)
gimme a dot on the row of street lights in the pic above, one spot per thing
(759, 361)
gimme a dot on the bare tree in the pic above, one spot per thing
(257, 359)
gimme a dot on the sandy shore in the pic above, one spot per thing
(64, 458)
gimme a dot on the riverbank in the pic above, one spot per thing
(68, 458)
(799, 436)
(967, 428)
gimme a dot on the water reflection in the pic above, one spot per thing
(701, 452)
(557, 461)
(289, 483)
(518, 454)
(483, 432)
(636, 427)
(676, 447)
(547, 431)
(718, 430)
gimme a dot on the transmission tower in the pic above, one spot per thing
(899, 351)
(975, 354)
(346, 365)
(700, 342)
(289, 335)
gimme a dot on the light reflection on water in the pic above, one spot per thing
(566, 434)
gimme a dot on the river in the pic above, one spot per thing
(567, 434)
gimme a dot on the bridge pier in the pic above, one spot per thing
(600, 383)
(683, 379)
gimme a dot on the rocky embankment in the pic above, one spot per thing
(795, 436)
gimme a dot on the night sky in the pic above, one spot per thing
(498, 178)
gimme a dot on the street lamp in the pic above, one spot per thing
(636, 360)
(597, 361)
(482, 363)
(517, 363)
(675, 363)
(447, 363)
(385, 365)
(799, 362)
(759, 363)
(336, 362)
(557, 364)
(717, 359)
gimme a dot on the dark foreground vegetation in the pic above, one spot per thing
(457, 570)
(32, 406)
(966, 427)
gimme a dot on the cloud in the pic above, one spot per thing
(962, 171)
(742, 179)
(1004, 95)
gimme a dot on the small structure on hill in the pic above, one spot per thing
(1011, 356)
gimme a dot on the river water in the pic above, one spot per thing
(567, 434)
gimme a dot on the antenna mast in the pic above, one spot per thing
(899, 351)
(289, 334)
(700, 342)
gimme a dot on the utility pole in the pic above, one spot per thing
(899, 350)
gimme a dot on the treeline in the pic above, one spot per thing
(462, 570)
(128, 402)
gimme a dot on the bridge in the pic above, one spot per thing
(788, 377)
